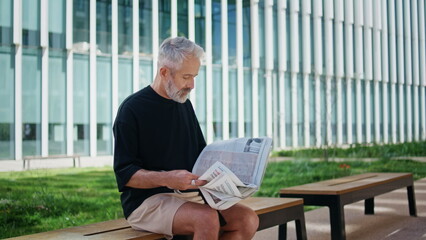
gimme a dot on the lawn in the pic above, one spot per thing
(41, 200)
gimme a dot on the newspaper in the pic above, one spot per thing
(233, 169)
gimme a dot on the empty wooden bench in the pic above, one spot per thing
(27, 159)
(336, 193)
(271, 212)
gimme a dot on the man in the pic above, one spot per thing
(157, 141)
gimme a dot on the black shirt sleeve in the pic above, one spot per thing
(126, 144)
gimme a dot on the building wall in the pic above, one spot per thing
(305, 72)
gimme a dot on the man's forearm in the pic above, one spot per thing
(147, 179)
(175, 179)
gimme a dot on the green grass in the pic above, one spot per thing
(42, 200)
(359, 151)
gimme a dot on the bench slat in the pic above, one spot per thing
(346, 184)
(120, 229)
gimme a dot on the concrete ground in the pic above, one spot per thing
(391, 220)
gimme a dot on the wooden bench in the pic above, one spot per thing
(27, 159)
(336, 193)
(271, 212)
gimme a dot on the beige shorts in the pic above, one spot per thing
(156, 213)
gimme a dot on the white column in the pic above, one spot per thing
(408, 66)
(254, 27)
(306, 51)
(155, 37)
(44, 44)
(422, 80)
(17, 40)
(191, 36)
(114, 57)
(359, 69)
(415, 47)
(368, 62)
(385, 69)
(225, 69)
(385, 112)
(174, 18)
(135, 18)
(69, 78)
(392, 66)
(294, 66)
(240, 70)
(269, 64)
(92, 79)
(282, 67)
(317, 14)
(329, 67)
(349, 59)
(393, 114)
(339, 58)
(209, 73)
(401, 75)
(377, 69)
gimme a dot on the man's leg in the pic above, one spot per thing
(241, 222)
(203, 222)
(197, 219)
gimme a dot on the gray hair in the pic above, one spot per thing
(173, 51)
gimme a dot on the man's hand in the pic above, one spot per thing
(183, 180)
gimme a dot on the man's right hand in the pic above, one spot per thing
(183, 180)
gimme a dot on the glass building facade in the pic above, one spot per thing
(304, 72)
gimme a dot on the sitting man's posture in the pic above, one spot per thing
(157, 141)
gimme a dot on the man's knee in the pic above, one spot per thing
(250, 221)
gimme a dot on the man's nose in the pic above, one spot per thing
(191, 83)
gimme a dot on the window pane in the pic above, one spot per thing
(103, 105)
(145, 27)
(31, 101)
(200, 23)
(125, 27)
(232, 33)
(262, 103)
(217, 33)
(233, 103)
(246, 34)
(200, 89)
(81, 104)
(126, 77)
(30, 23)
(182, 6)
(57, 102)
(217, 103)
(103, 25)
(6, 19)
(145, 73)
(7, 103)
(57, 24)
(81, 16)
(248, 103)
(164, 21)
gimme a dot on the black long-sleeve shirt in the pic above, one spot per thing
(153, 133)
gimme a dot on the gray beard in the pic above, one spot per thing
(176, 95)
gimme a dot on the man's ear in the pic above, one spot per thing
(164, 72)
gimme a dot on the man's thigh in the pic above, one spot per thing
(156, 214)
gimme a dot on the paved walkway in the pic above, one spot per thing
(391, 220)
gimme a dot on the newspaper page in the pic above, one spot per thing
(233, 169)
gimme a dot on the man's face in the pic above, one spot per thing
(180, 82)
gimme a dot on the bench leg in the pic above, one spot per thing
(337, 221)
(369, 206)
(282, 231)
(411, 201)
(301, 229)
